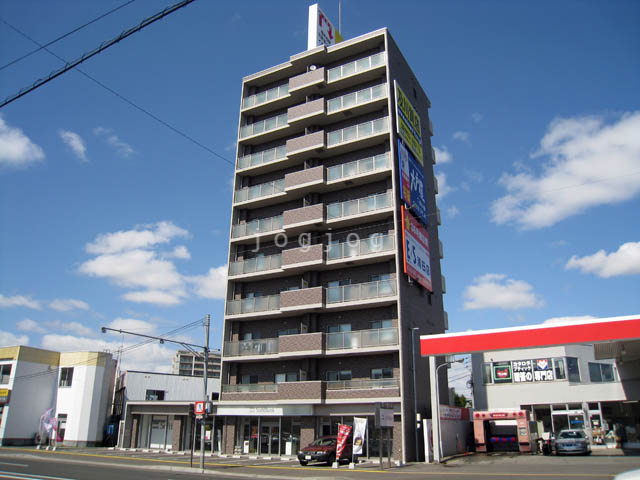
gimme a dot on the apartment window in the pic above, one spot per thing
(381, 324)
(287, 331)
(5, 373)
(154, 395)
(250, 336)
(343, 327)
(601, 372)
(560, 370)
(62, 426)
(246, 379)
(66, 376)
(378, 373)
(486, 373)
(339, 375)
(380, 277)
(286, 377)
(573, 369)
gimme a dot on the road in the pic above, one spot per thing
(98, 464)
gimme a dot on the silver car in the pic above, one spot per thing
(572, 441)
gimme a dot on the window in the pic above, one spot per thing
(343, 327)
(340, 283)
(5, 373)
(66, 376)
(287, 331)
(573, 369)
(250, 336)
(486, 373)
(338, 375)
(377, 373)
(379, 278)
(561, 373)
(381, 324)
(62, 426)
(154, 395)
(246, 379)
(286, 377)
(601, 372)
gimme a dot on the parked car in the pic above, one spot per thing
(572, 441)
(323, 449)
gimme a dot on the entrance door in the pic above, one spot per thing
(269, 438)
(158, 432)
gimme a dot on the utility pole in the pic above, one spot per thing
(203, 427)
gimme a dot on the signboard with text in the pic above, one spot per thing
(408, 123)
(343, 435)
(542, 371)
(522, 371)
(5, 394)
(413, 190)
(502, 372)
(321, 30)
(199, 408)
(417, 259)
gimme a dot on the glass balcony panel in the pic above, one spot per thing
(252, 227)
(235, 268)
(385, 288)
(378, 91)
(283, 90)
(349, 133)
(334, 173)
(350, 293)
(365, 129)
(335, 340)
(334, 251)
(350, 208)
(248, 305)
(245, 131)
(349, 100)
(335, 73)
(350, 169)
(276, 261)
(334, 104)
(254, 192)
(248, 101)
(334, 294)
(272, 94)
(278, 186)
(270, 123)
(261, 97)
(250, 265)
(377, 59)
(363, 64)
(334, 137)
(365, 165)
(364, 95)
(383, 200)
(282, 120)
(267, 156)
(367, 204)
(388, 336)
(240, 195)
(257, 128)
(233, 307)
(379, 125)
(244, 162)
(382, 161)
(281, 151)
(348, 69)
(334, 210)
(351, 249)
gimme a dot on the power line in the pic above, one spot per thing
(103, 46)
(41, 47)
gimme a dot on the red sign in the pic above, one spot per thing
(417, 260)
(199, 408)
(343, 434)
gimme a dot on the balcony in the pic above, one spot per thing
(352, 212)
(345, 389)
(299, 218)
(263, 227)
(253, 307)
(262, 129)
(346, 296)
(363, 135)
(251, 388)
(302, 300)
(358, 168)
(358, 71)
(359, 251)
(350, 101)
(306, 145)
(254, 267)
(267, 98)
(362, 339)
(312, 78)
(302, 115)
(266, 157)
(262, 194)
(306, 390)
(250, 348)
(287, 346)
(304, 180)
(302, 258)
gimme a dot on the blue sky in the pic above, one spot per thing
(109, 218)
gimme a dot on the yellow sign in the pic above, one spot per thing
(4, 392)
(408, 124)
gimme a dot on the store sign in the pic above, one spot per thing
(522, 371)
(5, 394)
(199, 408)
(542, 370)
(321, 30)
(502, 372)
(417, 259)
(408, 123)
(343, 435)
(413, 190)
(359, 434)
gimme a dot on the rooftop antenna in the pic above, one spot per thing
(340, 16)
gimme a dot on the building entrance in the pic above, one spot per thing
(270, 437)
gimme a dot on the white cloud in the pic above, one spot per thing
(142, 236)
(123, 149)
(211, 285)
(625, 261)
(461, 136)
(477, 117)
(68, 304)
(576, 318)
(495, 290)
(132, 325)
(443, 155)
(16, 149)
(8, 339)
(443, 187)
(75, 143)
(588, 163)
(19, 301)
(180, 252)
(156, 297)
(28, 325)
(453, 211)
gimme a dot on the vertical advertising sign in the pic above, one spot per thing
(417, 259)
(359, 434)
(321, 30)
(343, 435)
(408, 123)
(413, 190)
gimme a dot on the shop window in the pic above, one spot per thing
(601, 372)
(378, 373)
(5, 373)
(339, 375)
(286, 377)
(486, 373)
(559, 366)
(246, 379)
(66, 376)
(154, 395)
(573, 369)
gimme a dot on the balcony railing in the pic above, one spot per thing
(363, 384)
(374, 244)
(263, 125)
(359, 131)
(250, 388)
(257, 264)
(362, 338)
(256, 226)
(251, 347)
(361, 291)
(360, 205)
(253, 305)
(266, 96)
(359, 167)
(356, 98)
(266, 156)
(258, 191)
(357, 66)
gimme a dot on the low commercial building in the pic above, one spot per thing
(155, 411)
(76, 387)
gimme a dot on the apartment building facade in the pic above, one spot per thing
(319, 311)
(189, 364)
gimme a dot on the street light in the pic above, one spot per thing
(415, 395)
(436, 421)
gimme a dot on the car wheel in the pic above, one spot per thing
(332, 458)
(303, 463)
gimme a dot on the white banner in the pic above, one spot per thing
(359, 434)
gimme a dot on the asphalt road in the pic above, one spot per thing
(98, 464)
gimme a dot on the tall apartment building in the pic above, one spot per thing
(319, 311)
(186, 363)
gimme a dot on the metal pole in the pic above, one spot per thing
(433, 381)
(415, 394)
(207, 322)
(340, 16)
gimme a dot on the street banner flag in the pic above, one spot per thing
(343, 434)
(359, 434)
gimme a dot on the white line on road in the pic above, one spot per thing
(30, 476)
(14, 464)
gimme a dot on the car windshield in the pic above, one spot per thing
(324, 442)
(569, 434)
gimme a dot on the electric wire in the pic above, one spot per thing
(48, 44)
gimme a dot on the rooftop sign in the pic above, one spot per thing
(321, 30)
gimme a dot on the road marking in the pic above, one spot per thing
(29, 476)
(14, 464)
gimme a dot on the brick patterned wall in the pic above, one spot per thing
(315, 174)
(301, 343)
(303, 255)
(364, 393)
(313, 76)
(298, 298)
(311, 390)
(176, 436)
(304, 109)
(229, 434)
(134, 431)
(312, 213)
(307, 431)
(306, 142)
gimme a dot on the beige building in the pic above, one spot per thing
(187, 363)
(319, 310)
